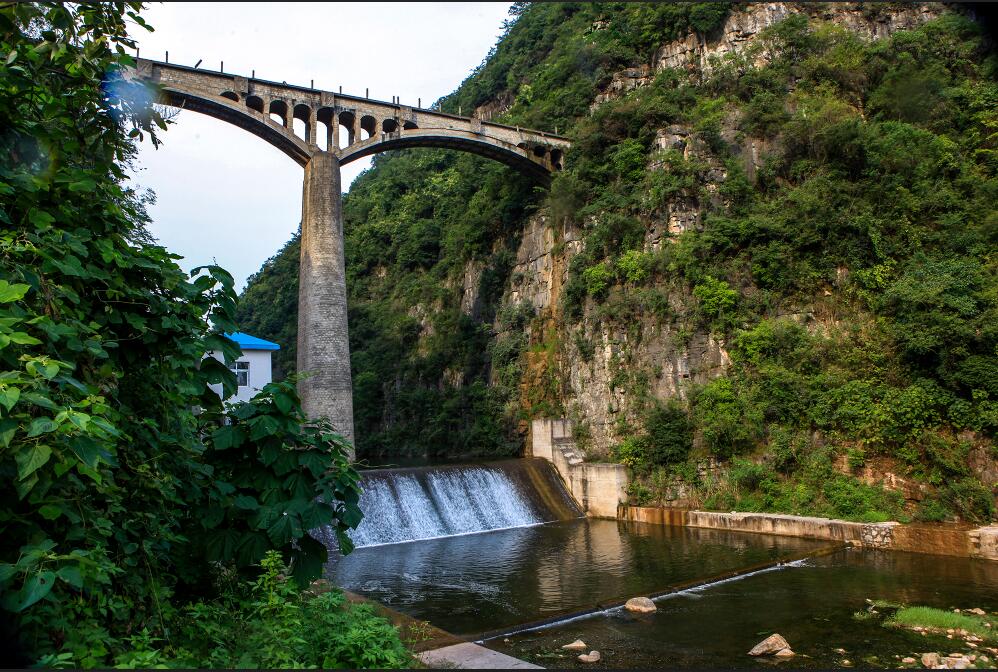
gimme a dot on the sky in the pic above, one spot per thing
(225, 196)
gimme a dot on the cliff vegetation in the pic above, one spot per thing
(765, 280)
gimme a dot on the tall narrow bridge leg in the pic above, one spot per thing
(323, 347)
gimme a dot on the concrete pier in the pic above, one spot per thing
(323, 337)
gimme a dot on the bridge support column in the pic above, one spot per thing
(323, 346)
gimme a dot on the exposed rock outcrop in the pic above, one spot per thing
(698, 54)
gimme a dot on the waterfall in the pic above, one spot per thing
(401, 505)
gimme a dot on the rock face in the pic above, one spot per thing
(577, 645)
(624, 81)
(640, 605)
(774, 645)
(743, 25)
(697, 54)
(587, 367)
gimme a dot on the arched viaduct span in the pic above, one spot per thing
(351, 127)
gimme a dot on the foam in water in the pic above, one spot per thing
(408, 505)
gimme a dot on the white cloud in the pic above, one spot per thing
(224, 195)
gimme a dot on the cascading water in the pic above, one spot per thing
(403, 505)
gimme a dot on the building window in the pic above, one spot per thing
(241, 369)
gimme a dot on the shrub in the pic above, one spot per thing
(971, 499)
(717, 299)
(632, 452)
(271, 623)
(730, 423)
(932, 511)
(669, 435)
(634, 266)
(597, 280)
(855, 458)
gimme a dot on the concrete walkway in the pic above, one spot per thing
(468, 656)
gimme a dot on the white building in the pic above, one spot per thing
(252, 369)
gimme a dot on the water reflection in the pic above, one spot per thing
(498, 579)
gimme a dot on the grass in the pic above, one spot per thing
(928, 617)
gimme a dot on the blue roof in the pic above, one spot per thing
(247, 342)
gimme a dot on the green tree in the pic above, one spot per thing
(125, 485)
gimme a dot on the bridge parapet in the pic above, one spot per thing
(348, 126)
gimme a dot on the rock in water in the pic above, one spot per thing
(640, 605)
(784, 653)
(591, 657)
(577, 645)
(769, 646)
(930, 660)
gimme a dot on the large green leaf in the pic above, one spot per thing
(228, 436)
(221, 545)
(9, 292)
(41, 426)
(251, 548)
(287, 527)
(308, 560)
(9, 397)
(35, 588)
(30, 458)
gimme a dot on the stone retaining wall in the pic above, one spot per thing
(937, 539)
(598, 487)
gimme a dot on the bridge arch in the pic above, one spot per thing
(490, 148)
(248, 116)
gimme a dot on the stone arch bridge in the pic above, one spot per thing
(335, 129)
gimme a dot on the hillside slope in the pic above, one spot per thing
(765, 280)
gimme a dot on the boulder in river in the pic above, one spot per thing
(591, 657)
(772, 645)
(930, 660)
(640, 605)
(577, 645)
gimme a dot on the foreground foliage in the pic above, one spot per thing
(267, 623)
(127, 491)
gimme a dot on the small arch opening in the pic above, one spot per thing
(409, 125)
(324, 128)
(389, 126)
(556, 156)
(300, 123)
(231, 95)
(346, 120)
(368, 127)
(300, 128)
(278, 111)
(255, 103)
(539, 150)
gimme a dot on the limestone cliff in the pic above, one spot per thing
(778, 215)
(649, 351)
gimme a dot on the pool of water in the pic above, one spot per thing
(497, 580)
(811, 603)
